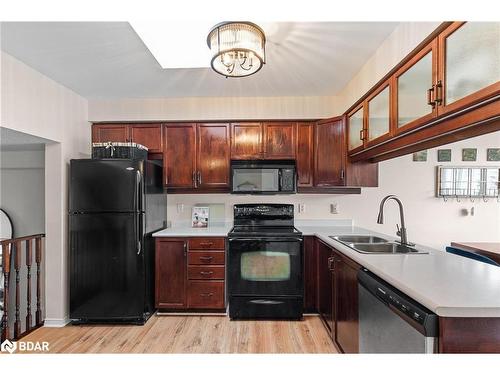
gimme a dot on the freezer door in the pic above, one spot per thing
(107, 278)
(113, 185)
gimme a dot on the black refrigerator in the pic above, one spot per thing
(114, 207)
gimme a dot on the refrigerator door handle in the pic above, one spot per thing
(138, 191)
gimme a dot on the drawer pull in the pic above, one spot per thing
(206, 243)
(206, 272)
(206, 258)
(206, 294)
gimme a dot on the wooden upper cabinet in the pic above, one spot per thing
(279, 140)
(171, 273)
(469, 64)
(415, 90)
(356, 128)
(179, 159)
(246, 140)
(378, 117)
(213, 149)
(149, 135)
(110, 133)
(305, 153)
(329, 153)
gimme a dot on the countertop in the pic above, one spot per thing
(219, 230)
(447, 284)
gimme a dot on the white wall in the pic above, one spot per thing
(430, 220)
(201, 108)
(22, 190)
(34, 104)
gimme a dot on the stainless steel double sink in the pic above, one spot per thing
(375, 245)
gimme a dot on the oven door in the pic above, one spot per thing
(265, 267)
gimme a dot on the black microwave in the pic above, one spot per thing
(263, 177)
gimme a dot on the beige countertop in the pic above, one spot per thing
(447, 284)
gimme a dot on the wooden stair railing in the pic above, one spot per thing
(11, 254)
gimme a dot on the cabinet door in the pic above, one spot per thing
(329, 154)
(325, 285)
(356, 129)
(415, 90)
(179, 158)
(279, 140)
(149, 136)
(469, 55)
(170, 273)
(346, 303)
(305, 153)
(310, 275)
(378, 119)
(212, 155)
(247, 141)
(110, 133)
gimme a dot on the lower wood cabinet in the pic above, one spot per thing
(190, 274)
(337, 295)
(310, 275)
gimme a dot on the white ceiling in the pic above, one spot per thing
(109, 60)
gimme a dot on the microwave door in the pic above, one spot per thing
(255, 180)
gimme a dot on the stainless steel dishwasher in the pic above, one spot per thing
(390, 321)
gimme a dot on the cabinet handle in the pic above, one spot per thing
(206, 243)
(199, 178)
(206, 294)
(362, 134)
(342, 174)
(439, 93)
(331, 266)
(194, 178)
(206, 258)
(430, 100)
(206, 273)
(185, 249)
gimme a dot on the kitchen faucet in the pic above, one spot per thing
(401, 231)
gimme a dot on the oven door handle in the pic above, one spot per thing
(268, 239)
(265, 302)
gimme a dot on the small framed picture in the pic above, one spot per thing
(199, 217)
(420, 155)
(469, 154)
(493, 154)
(444, 154)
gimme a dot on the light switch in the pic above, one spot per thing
(334, 208)
(302, 208)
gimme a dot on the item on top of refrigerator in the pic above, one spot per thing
(119, 150)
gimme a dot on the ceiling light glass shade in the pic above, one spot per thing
(238, 48)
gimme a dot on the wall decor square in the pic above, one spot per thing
(493, 154)
(444, 154)
(469, 154)
(420, 155)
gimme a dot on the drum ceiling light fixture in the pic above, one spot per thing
(238, 48)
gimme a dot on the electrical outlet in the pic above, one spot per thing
(180, 208)
(334, 208)
(302, 208)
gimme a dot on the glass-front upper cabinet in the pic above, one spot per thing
(414, 89)
(355, 128)
(469, 63)
(378, 127)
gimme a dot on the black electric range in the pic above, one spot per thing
(265, 257)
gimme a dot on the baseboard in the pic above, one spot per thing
(56, 323)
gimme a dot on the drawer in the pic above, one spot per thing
(206, 272)
(206, 257)
(206, 294)
(207, 243)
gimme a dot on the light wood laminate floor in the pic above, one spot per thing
(191, 334)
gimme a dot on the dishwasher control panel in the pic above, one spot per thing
(426, 321)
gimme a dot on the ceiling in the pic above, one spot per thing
(12, 140)
(109, 60)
